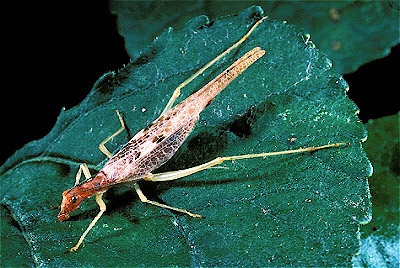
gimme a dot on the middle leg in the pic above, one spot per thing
(102, 146)
(144, 199)
(82, 168)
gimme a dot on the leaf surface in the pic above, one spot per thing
(302, 209)
(350, 32)
(380, 237)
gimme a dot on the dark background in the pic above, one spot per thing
(57, 53)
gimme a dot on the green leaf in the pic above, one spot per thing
(380, 238)
(350, 32)
(302, 210)
(19, 256)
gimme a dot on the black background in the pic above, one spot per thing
(55, 54)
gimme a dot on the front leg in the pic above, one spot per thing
(102, 206)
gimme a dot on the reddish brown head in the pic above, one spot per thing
(73, 197)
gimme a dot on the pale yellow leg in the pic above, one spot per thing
(102, 146)
(144, 199)
(102, 206)
(173, 175)
(177, 91)
(82, 168)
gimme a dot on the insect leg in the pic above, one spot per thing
(173, 175)
(144, 199)
(86, 172)
(177, 91)
(102, 206)
(102, 146)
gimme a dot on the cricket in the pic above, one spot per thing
(157, 143)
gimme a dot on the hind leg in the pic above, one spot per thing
(173, 175)
(177, 91)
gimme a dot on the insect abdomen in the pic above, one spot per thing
(205, 95)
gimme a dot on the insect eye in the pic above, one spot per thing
(74, 199)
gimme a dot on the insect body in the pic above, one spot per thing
(155, 144)
(158, 142)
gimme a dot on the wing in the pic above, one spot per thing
(157, 143)
(149, 149)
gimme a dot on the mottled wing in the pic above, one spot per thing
(149, 149)
(157, 143)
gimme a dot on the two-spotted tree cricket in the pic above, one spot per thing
(157, 143)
